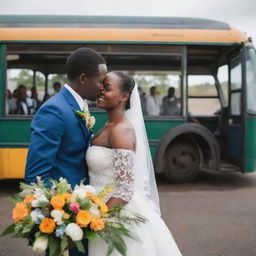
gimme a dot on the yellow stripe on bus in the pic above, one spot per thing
(117, 34)
(12, 163)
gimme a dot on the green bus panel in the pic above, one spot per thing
(250, 142)
(2, 78)
(14, 132)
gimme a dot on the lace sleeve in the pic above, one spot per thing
(123, 162)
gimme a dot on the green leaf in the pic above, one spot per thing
(18, 198)
(12, 200)
(53, 245)
(90, 235)
(123, 231)
(8, 230)
(27, 228)
(80, 246)
(110, 249)
(64, 244)
(19, 235)
(119, 244)
(42, 203)
(38, 234)
(85, 204)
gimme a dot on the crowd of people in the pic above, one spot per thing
(18, 102)
(155, 105)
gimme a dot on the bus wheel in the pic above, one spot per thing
(182, 162)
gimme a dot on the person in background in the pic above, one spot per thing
(24, 103)
(36, 101)
(9, 106)
(143, 100)
(170, 104)
(56, 86)
(153, 102)
(46, 97)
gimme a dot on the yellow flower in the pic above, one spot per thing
(83, 218)
(65, 215)
(90, 121)
(57, 202)
(89, 194)
(97, 223)
(47, 225)
(29, 198)
(20, 211)
(101, 204)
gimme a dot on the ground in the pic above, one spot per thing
(213, 216)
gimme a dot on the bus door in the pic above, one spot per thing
(235, 145)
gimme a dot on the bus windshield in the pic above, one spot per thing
(251, 78)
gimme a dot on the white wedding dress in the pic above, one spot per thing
(115, 166)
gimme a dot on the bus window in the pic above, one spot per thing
(236, 86)
(250, 79)
(160, 92)
(56, 82)
(24, 92)
(223, 80)
(202, 95)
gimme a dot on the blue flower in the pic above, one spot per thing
(60, 231)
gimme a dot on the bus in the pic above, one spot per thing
(196, 77)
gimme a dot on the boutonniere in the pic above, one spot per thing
(87, 118)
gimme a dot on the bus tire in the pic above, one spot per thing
(182, 162)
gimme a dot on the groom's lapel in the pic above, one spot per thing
(74, 105)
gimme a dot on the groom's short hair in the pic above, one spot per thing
(83, 60)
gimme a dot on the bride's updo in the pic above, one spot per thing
(127, 84)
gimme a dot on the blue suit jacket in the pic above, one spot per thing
(59, 141)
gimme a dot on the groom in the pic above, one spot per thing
(59, 138)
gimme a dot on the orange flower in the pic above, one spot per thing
(101, 204)
(47, 225)
(97, 223)
(29, 198)
(20, 211)
(66, 196)
(57, 202)
(83, 218)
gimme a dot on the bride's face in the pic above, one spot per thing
(112, 95)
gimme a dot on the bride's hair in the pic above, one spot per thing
(127, 84)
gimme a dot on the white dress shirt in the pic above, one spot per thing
(77, 97)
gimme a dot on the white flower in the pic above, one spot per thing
(57, 215)
(81, 190)
(41, 198)
(40, 244)
(91, 121)
(34, 203)
(38, 191)
(74, 232)
(37, 216)
(25, 193)
(94, 210)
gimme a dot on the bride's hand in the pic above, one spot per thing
(114, 201)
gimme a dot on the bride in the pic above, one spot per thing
(120, 156)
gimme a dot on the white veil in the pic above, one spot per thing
(145, 182)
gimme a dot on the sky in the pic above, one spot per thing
(238, 13)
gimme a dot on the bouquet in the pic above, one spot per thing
(58, 218)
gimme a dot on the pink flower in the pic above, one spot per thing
(74, 207)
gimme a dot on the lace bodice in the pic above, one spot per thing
(112, 167)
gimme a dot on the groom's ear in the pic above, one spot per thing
(82, 78)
